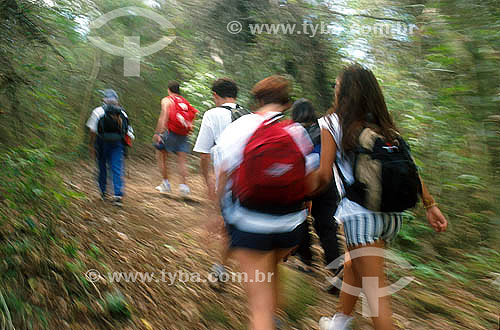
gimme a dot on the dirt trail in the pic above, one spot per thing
(156, 232)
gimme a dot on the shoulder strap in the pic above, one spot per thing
(228, 107)
(342, 178)
(273, 119)
(236, 112)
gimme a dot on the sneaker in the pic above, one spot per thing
(118, 201)
(333, 290)
(164, 188)
(337, 276)
(184, 189)
(218, 272)
(338, 322)
(104, 196)
(278, 323)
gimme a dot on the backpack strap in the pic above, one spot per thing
(273, 119)
(229, 108)
(236, 112)
(342, 178)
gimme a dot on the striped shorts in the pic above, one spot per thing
(367, 228)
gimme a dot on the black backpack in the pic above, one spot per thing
(385, 176)
(113, 126)
(237, 112)
(314, 132)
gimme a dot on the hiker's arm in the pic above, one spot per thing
(92, 138)
(161, 125)
(319, 179)
(434, 216)
(205, 171)
(221, 187)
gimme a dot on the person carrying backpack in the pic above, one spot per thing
(110, 132)
(172, 131)
(378, 180)
(261, 188)
(215, 120)
(324, 204)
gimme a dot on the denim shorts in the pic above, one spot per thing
(172, 142)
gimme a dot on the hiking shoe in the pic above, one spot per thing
(164, 188)
(118, 201)
(184, 189)
(219, 271)
(278, 323)
(338, 322)
(337, 276)
(104, 196)
(333, 290)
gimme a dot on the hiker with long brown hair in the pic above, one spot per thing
(359, 104)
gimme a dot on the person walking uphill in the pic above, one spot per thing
(324, 204)
(215, 120)
(109, 129)
(261, 189)
(359, 141)
(172, 130)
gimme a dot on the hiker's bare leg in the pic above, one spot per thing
(347, 301)
(280, 255)
(261, 299)
(226, 250)
(181, 161)
(161, 157)
(373, 266)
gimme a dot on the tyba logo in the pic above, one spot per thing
(131, 50)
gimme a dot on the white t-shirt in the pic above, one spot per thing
(94, 119)
(214, 122)
(346, 207)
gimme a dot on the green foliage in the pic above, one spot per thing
(214, 314)
(117, 306)
(298, 295)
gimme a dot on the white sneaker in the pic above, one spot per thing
(118, 201)
(164, 188)
(338, 322)
(219, 271)
(184, 189)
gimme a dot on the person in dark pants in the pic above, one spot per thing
(108, 125)
(325, 204)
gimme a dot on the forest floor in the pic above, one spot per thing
(155, 232)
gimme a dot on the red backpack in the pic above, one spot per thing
(271, 177)
(181, 116)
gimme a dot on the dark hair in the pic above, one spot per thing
(303, 112)
(359, 103)
(225, 87)
(173, 86)
(273, 89)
